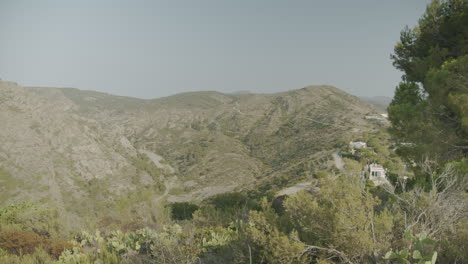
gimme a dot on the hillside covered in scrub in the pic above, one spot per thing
(97, 155)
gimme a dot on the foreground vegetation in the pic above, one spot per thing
(347, 221)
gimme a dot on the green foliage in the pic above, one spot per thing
(453, 246)
(182, 210)
(320, 174)
(172, 245)
(208, 215)
(75, 256)
(10, 214)
(440, 35)
(420, 250)
(39, 256)
(272, 245)
(31, 217)
(231, 201)
(430, 105)
(216, 237)
(224, 209)
(343, 218)
(342, 215)
(461, 166)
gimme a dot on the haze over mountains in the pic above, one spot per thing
(381, 102)
(87, 151)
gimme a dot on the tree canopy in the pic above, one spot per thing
(430, 105)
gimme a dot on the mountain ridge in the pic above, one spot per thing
(67, 145)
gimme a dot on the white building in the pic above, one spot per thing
(377, 174)
(376, 171)
(357, 144)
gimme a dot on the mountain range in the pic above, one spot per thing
(94, 154)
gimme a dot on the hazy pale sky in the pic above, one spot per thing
(148, 49)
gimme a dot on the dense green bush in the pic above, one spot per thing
(182, 210)
(230, 201)
(270, 244)
(341, 216)
(28, 216)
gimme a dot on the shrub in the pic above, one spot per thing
(182, 211)
(229, 201)
(215, 237)
(56, 247)
(270, 244)
(320, 174)
(28, 216)
(421, 250)
(39, 256)
(341, 216)
(21, 242)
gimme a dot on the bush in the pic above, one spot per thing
(39, 256)
(56, 247)
(270, 244)
(182, 211)
(320, 174)
(169, 246)
(229, 201)
(216, 236)
(421, 250)
(28, 216)
(22, 242)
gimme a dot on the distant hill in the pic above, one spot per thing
(87, 151)
(380, 102)
(242, 92)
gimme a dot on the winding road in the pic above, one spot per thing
(304, 185)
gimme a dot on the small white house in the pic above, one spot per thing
(357, 144)
(376, 172)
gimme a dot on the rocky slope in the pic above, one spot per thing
(96, 154)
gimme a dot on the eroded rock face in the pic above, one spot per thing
(89, 151)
